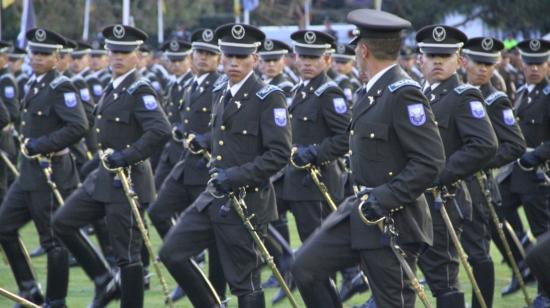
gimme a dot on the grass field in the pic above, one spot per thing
(81, 288)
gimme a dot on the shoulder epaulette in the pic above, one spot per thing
(463, 88)
(21, 76)
(266, 90)
(401, 83)
(546, 90)
(324, 87)
(188, 82)
(493, 97)
(219, 83)
(285, 84)
(340, 78)
(58, 81)
(90, 77)
(105, 77)
(7, 76)
(76, 78)
(521, 88)
(138, 83)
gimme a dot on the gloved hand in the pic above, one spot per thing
(199, 143)
(529, 160)
(445, 179)
(177, 133)
(220, 180)
(305, 155)
(372, 210)
(32, 147)
(116, 160)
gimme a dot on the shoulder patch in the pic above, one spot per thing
(546, 90)
(325, 86)
(463, 88)
(138, 83)
(493, 97)
(9, 92)
(266, 90)
(150, 102)
(70, 99)
(97, 89)
(509, 117)
(85, 94)
(401, 83)
(156, 86)
(417, 114)
(58, 81)
(340, 105)
(219, 83)
(279, 116)
(477, 109)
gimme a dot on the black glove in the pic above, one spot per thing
(199, 143)
(445, 179)
(529, 160)
(32, 147)
(372, 210)
(220, 180)
(305, 155)
(116, 160)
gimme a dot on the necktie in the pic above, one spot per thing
(523, 99)
(194, 86)
(226, 98)
(427, 92)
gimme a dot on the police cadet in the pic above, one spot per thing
(272, 63)
(177, 51)
(481, 55)
(193, 98)
(16, 58)
(250, 141)
(64, 64)
(469, 142)
(129, 121)
(343, 61)
(538, 261)
(396, 151)
(52, 119)
(407, 61)
(99, 63)
(143, 68)
(526, 185)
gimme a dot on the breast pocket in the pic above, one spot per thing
(373, 140)
(117, 127)
(245, 135)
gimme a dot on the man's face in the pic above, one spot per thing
(14, 65)
(64, 62)
(98, 62)
(43, 62)
(311, 66)
(478, 73)
(535, 73)
(180, 67)
(272, 67)
(343, 67)
(3, 59)
(406, 63)
(80, 63)
(238, 66)
(439, 67)
(205, 61)
(122, 62)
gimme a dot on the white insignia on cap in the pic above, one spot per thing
(40, 35)
(268, 44)
(341, 49)
(534, 45)
(207, 35)
(439, 34)
(310, 37)
(237, 31)
(487, 43)
(174, 45)
(118, 31)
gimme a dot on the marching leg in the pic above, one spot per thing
(253, 300)
(58, 277)
(484, 273)
(131, 277)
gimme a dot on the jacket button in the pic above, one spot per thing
(99, 144)
(245, 132)
(171, 104)
(204, 109)
(187, 109)
(127, 145)
(222, 127)
(220, 143)
(305, 118)
(170, 113)
(532, 121)
(25, 110)
(97, 129)
(371, 135)
(435, 122)
(219, 157)
(352, 132)
(23, 123)
(39, 113)
(117, 119)
(390, 173)
(185, 121)
(181, 100)
(99, 117)
(350, 152)
(290, 116)
(256, 189)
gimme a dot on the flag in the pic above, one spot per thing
(250, 5)
(237, 7)
(28, 21)
(6, 3)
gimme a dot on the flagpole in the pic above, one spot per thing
(160, 19)
(306, 14)
(86, 30)
(246, 17)
(22, 29)
(125, 12)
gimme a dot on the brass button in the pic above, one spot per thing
(25, 110)
(23, 123)
(532, 121)
(170, 113)
(290, 116)
(187, 109)
(204, 109)
(127, 145)
(352, 132)
(305, 118)
(350, 152)
(99, 144)
(222, 127)
(371, 135)
(219, 157)
(256, 189)
(435, 122)
(245, 132)
(97, 130)
(181, 100)
(117, 119)
(99, 117)
(39, 112)
(390, 173)
(220, 143)
(185, 121)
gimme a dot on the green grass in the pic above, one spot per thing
(81, 288)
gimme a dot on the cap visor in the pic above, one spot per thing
(121, 48)
(316, 52)
(439, 50)
(534, 59)
(233, 50)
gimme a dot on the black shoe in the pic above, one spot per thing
(513, 286)
(541, 301)
(176, 294)
(277, 298)
(350, 287)
(270, 283)
(60, 303)
(106, 290)
(37, 252)
(252, 300)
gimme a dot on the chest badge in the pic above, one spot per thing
(238, 103)
(371, 100)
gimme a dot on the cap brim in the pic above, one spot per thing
(42, 49)
(316, 52)
(534, 59)
(271, 57)
(121, 47)
(236, 50)
(483, 59)
(176, 58)
(439, 50)
(209, 49)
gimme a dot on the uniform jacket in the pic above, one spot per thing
(396, 151)
(251, 140)
(21, 79)
(53, 115)
(319, 116)
(9, 95)
(128, 119)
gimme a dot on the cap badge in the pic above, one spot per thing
(534, 45)
(310, 37)
(341, 49)
(487, 43)
(439, 34)
(40, 35)
(207, 35)
(268, 45)
(174, 45)
(237, 31)
(118, 31)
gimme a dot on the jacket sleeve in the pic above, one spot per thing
(10, 96)
(335, 111)
(4, 115)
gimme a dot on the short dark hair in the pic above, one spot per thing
(383, 48)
